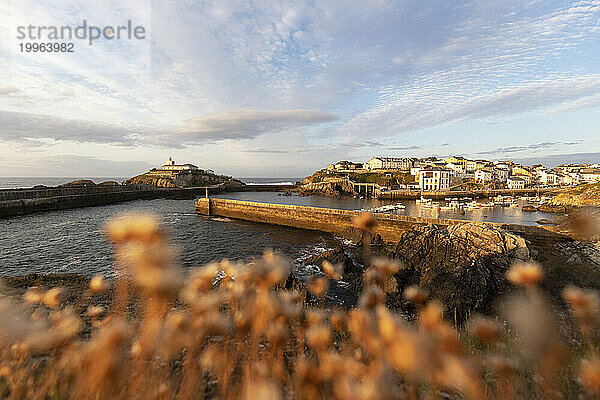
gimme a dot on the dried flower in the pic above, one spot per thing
(524, 274)
(332, 271)
(98, 284)
(484, 330)
(318, 286)
(52, 297)
(415, 295)
(589, 374)
(364, 222)
(94, 311)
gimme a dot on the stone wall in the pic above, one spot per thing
(339, 222)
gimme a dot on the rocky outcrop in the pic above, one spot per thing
(79, 183)
(338, 187)
(579, 196)
(463, 265)
(184, 179)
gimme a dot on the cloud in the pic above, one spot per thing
(34, 129)
(557, 159)
(247, 124)
(8, 90)
(534, 146)
(72, 166)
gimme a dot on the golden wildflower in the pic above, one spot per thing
(33, 295)
(143, 228)
(484, 330)
(318, 286)
(589, 374)
(415, 295)
(585, 304)
(52, 297)
(364, 222)
(338, 320)
(371, 297)
(386, 266)
(332, 271)
(525, 274)
(431, 316)
(94, 311)
(98, 284)
(318, 337)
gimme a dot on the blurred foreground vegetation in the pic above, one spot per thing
(230, 330)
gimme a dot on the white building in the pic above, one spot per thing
(434, 178)
(484, 175)
(548, 177)
(459, 169)
(514, 182)
(500, 174)
(525, 178)
(590, 174)
(390, 163)
(171, 166)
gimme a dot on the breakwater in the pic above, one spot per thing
(25, 201)
(339, 222)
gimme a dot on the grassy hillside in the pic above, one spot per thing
(580, 196)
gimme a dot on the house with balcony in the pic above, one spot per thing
(434, 178)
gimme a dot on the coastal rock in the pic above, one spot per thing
(183, 179)
(463, 265)
(79, 183)
(333, 188)
(529, 208)
(335, 256)
(553, 208)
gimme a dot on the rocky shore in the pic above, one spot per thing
(464, 266)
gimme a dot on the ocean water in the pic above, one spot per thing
(72, 240)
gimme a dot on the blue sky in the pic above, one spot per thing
(265, 88)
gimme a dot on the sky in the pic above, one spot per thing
(256, 88)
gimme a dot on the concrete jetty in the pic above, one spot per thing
(26, 201)
(389, 226)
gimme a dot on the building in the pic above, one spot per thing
(521, 170)
(515, 182)
(525, 178)
(171, 166)
(548, 177)
(458, 168)
(484, 175)
(344, 166)
(500, 174)
(404, 164)
(590, 175)
(434, 178)
(458, 160)
(474, 165)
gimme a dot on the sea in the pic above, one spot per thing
(72, 241)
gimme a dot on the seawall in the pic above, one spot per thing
(26, 201)
(389, 226)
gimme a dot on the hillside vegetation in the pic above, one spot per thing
(580, 196)
(391, 178)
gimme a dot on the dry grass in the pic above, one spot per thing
(228, 330)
